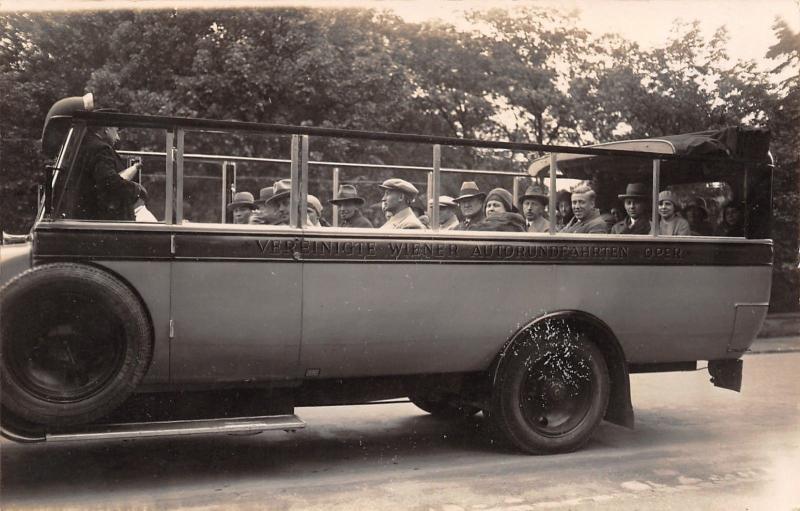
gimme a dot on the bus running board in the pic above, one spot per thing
(181, 427)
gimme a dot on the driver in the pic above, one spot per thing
(106, 190)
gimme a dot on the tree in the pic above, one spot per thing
(533, 53)
(42, 59)
(785, 126)
(681, 87)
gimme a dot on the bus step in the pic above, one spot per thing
(182, 427)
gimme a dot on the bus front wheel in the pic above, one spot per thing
(75, 343)
(550, 393)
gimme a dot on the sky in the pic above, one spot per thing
(647, 22)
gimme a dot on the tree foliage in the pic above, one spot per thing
(526, 74)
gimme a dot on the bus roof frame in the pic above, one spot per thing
(127, 120)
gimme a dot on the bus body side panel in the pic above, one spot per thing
(381, 318)
(666, 314)
(236, 306)
(365, 319)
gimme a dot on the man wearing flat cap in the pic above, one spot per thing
(242, 206)
(448, 220)
(533, 203)
(398, 195)
(635, 200)
(349, 205)
(470, 200)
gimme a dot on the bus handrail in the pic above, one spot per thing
(212, 158)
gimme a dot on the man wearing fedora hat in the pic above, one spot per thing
(398, 195)
(349, 204)
(447, 213)
(587, 218)
(281, 191)
(470, 200)
(635, 200)
(533, 203)
(266, 213)
(242, 206)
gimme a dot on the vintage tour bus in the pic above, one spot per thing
(188, 308)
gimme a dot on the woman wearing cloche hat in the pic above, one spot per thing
(669, 223)
(501, 215)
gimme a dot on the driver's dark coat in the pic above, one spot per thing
(102, 193)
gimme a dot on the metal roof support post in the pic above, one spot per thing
(515, 193)
(303, 189)
(552, 195)
(295, 177)
(169, 170)
(335, 186)
(224, 203)
(656, 186)
(428, 191)
(179, 174)
(434, 190)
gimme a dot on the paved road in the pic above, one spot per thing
(695, 447)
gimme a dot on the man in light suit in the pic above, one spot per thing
(398, 195)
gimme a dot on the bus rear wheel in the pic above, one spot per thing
(75, 343)
(550, 394)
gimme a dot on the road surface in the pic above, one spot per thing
(694, 447)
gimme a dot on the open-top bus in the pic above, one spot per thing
(191, 324)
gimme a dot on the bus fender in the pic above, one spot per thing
(620, 409)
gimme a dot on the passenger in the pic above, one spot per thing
(266, 214)
(586, 219)
(501, 215)
(140, 210)
(314, 212)
(616, 215)
(107, 191)
(470, 200)
(635, 199)
(447, 213)
(609, 219)
(697, 216)
(670, 223)
(563, 209)
(398, 195)
(533, 203)
(349, 204)
(732, 224)
(242, 206)
(281, 191)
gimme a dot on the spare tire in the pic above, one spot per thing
(75, 343)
